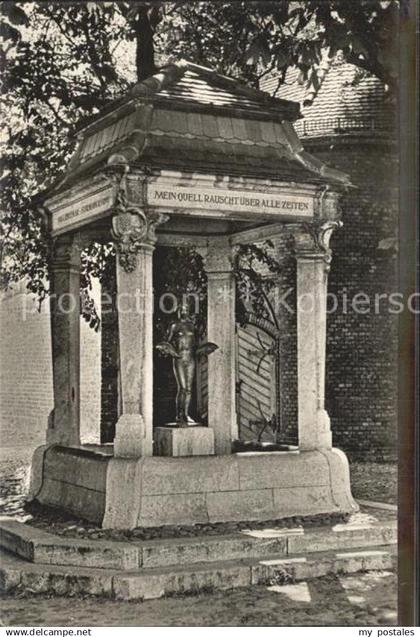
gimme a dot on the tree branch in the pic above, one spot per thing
(57, 114)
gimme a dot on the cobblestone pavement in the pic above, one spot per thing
(367, 599)
(14, 479)
(375, 481)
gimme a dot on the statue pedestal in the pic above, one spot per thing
(176, 441)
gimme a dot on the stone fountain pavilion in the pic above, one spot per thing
(189, 158)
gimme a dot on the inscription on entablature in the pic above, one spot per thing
(81, 208)
(224, 200)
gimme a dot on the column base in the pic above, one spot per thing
(317, 437)
(323, 424)
(175, 441)
(37, 471)
(130, 441)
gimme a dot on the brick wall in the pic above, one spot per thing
(348, 122)
(26, 376)
(288, 339)
(26, 395)
(362, 349)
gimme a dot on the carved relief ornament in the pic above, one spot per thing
(129, 229)
(132, 228)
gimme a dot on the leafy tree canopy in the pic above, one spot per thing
(62, 61)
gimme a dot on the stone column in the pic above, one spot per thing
(134, 232)
(221, 330)
(64, 420)
(313, 258)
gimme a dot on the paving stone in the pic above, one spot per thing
(285, 570)
(17, 537)
(41, 547)
(90, 554)
(361, 599)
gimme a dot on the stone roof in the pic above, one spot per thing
(348, 101)
(189, 117)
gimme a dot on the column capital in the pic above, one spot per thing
(217, 258)
(65, 251)
(312, 241)
(327, 204)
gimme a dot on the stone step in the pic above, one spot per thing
(261, 543)
(40, 547)
(18, 574)
(161, 582)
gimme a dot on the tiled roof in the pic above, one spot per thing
(189, 116)
(348, 100)
(192, 87)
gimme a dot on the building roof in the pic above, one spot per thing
(347, 101)
(189, 117)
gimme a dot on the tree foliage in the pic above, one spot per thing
(63, 61)
(251, 39)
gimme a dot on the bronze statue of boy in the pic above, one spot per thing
(181, 344)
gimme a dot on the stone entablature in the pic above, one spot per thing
(190, 194)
